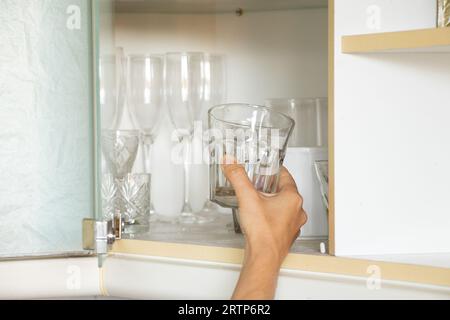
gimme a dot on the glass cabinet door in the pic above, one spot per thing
(47, 125)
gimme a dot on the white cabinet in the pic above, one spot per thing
(390, 138)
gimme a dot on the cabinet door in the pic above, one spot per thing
(47, 126)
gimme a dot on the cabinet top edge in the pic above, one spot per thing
(392, 271)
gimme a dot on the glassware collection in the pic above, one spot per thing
(192, 86)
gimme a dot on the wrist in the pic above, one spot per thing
(264, 252)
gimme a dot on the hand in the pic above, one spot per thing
(270, 223)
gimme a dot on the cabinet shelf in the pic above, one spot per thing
(213, 6)
(424, 40)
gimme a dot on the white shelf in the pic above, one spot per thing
(219, 233)
(213, 6)
(425, 40)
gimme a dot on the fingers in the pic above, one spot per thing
(286, 181)
(238, 178)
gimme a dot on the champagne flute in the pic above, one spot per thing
(185, 94)
(145, 95)
(112, 89)
(215, 92)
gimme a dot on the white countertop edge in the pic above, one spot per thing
(49, 278)
(144, 277)
(150, 277)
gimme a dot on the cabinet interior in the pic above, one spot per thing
(272, 50)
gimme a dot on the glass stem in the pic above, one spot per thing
(147, 144)
(187, 157)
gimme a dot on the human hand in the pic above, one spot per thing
(270, 222)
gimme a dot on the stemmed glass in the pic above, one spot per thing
(145, 92)
(185, 95)
(215, 92)
(111, 98)
(112, 89)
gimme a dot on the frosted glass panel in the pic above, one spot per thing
(46, 125)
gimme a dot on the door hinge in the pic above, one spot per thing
(100, 235)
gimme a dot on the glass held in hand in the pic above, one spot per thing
(253, 136)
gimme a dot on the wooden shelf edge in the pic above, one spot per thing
(303, 262)
(391, 41)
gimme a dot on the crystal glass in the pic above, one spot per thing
(185, 97)
(253, 136)
(130, 196)
(311, 119)
(120, 149)
(109, 196)
(133, 199)
(145, 97)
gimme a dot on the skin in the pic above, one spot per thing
(271, 223)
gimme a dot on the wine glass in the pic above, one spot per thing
(112, 89)
(185, 95)
(215, 92)
(145, 95)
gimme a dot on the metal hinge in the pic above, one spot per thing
(100, 235)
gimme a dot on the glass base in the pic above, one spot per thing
(136, 228)
(209, 213)
(187, 216)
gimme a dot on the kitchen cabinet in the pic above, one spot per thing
(309, 48)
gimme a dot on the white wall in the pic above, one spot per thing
(269, 55)
(392, 135)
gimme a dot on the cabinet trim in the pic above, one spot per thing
(331, 52)
(304, 262)
(433, 40)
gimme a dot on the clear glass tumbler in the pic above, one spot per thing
(311, 119)
(254, 136)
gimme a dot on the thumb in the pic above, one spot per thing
(238, 178)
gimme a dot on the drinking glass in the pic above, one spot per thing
(112, 88)
(133, 197)
(215, 92)
(311, 118)
(145, 96)
(123, 191)
(185, 96)
(321, 168)
(120, 149)
(130, 196)
(253, 136)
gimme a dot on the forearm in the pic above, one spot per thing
(259, 274)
